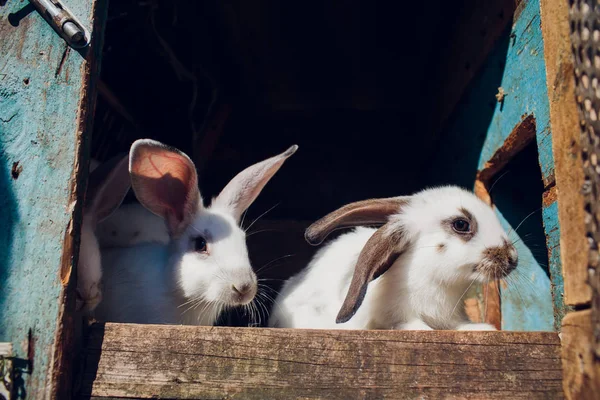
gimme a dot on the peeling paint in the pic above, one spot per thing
(38, 147)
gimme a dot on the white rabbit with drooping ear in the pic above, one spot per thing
(205, 267)
(107, 186)
(411, 273)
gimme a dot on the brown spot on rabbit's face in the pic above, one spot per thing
(498, 261)
(441, 247)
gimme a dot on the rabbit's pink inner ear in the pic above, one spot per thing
(165, 182)
(245, 187)
(378, 255)
(360, 213)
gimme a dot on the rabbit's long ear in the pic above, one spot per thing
(165, 182)
(360, 213)
(245, 187)
(107, 186)
(378, 255)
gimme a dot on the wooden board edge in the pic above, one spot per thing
(552, 233)
(521, 135)
(61, 366)
(566, 146)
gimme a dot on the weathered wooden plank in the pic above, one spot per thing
(45, 102)
(552, 230)
(581, 369)
(567, 150)
(210, 362)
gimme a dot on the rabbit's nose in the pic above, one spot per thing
(242, 289)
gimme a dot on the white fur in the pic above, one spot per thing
(101, 201)
(423, 289)
(89, 268)
(175, 283)
(130, 225)
(138, 286)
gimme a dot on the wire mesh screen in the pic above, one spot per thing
(584, 18)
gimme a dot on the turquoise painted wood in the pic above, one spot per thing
(477, 130)
(524, 81)
(43, 87)
(526, 299)
(552, 228)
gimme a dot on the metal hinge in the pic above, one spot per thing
(63, 22)
(6, 371)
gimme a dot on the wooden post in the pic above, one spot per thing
(46, 108)
(580, 364)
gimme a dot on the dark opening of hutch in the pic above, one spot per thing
(372, 98)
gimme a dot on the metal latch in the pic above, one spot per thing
(63, 22)
(6, 371)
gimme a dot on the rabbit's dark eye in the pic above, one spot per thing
(461, 225)
(200, 244)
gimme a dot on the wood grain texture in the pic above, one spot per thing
(581, 368)
(44, 103)
(208, 362)
(552, 230)
(65, 340)
(520, 136)
(566, 148)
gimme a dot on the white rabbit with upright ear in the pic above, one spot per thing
(107, 186)
(411, 273)
(205, 266)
